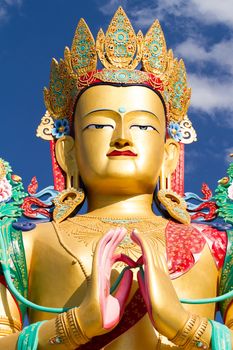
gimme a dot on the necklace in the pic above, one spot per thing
(87, 230)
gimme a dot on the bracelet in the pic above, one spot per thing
(10, 322)
(4, 332)
(68, 330)
(180, 338)
(28, 338)
(75, 327)
(194, 334)
(201, 337)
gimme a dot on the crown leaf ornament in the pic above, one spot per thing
(155, 56)
(120, 48)
(83, 54)
(62, 90)
(126, 58)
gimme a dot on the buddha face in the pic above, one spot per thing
(119, 139)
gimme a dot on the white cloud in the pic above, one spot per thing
(211, 95)
(13, 2)
(144, 13)
(3, 14)
(110, 7)
(5, 8)
(220, 53)
(215, 11)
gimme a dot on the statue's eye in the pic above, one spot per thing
(99, 126)
(143, 127)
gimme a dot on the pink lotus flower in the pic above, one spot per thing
(230, 191)
(5, 190)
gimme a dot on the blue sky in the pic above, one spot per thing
(32, 32)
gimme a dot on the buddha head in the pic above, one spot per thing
(125, 121)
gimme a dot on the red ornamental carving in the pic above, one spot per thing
(206, 191)
(33, 186)
(33, 206)
(212, 211)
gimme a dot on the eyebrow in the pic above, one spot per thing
(111, 110)
(98, 110)
(144, 111)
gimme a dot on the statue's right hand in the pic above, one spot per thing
(100, 311)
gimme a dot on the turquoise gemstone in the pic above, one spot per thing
(122, 76)
(199, 344)
(122, 110)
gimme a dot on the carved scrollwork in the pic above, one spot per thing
(44, 130)
(189, 134)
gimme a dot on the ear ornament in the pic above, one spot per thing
(66, 203)
(175, 205)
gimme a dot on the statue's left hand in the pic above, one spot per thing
(164, 308)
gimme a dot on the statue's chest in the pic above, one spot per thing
(182, 244)
(79, 238)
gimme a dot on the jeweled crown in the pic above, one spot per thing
(120, 51)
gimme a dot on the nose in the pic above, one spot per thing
(121, 137)
(121, 143)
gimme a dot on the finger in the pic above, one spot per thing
(108, 257)
(110, 312)
(138, 238)
(100, 246)
(98, 272)
(126, 259)
(158, 257)
(96, 263)
(120, 234)
(109, 244)
(107, 302)
(145, 294)
(155, 254)
(123, 291)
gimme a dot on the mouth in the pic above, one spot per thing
(127, 153)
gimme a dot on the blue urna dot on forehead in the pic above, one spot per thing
(122, 109)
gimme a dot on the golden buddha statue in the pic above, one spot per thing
(119, 271)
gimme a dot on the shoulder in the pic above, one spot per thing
(43, 232)
(185, 244)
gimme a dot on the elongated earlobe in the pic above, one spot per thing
(65, 154)
(171, 157)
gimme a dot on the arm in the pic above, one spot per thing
(164, 308)
(99, 313)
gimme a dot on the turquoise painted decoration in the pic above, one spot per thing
(11, 198)
(224, 196)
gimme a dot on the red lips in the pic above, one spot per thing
(122, 153)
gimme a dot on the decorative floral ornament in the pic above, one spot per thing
(61, 128)
(5, 190)
(174, 131)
